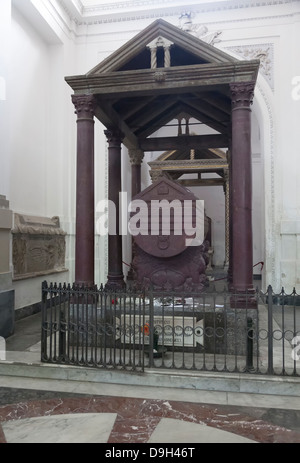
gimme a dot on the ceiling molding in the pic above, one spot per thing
(128, 10)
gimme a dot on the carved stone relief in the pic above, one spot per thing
(198, 30)
(263, 52)
(185, 272)
(39, 246)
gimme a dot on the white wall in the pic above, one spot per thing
(41, 126)
(288, 161)
(214, 201)
(61, 146)
(29, 118)
(101, 193)
(5, 35)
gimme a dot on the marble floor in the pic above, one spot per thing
(34, 416)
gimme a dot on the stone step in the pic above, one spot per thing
(183, 380)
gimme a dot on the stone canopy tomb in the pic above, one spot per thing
(160, 75)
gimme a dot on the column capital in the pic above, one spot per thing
(85, 106)
(114, 135)
(136, 156)
(242, 94)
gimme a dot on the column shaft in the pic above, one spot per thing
(242, 239)
(136, 158)
(136, 179)
(227, 218)
(153, 58)
(167, 57)
(115, 246)
(230, 268)
(85, 196)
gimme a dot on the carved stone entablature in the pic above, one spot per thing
(160, 76)
(263, 52)
(39, 246)
(187, 164)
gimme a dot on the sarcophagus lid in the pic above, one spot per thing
(165, 216)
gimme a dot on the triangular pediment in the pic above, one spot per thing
(185, 50)
(156, 77)
(165, 188)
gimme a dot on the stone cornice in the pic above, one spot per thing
(31, 225)
(177, 78)
(199, 164)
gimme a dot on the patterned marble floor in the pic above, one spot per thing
(49, 417)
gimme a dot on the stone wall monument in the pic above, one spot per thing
(39, 247)
(7, 294)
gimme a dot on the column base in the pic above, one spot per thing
(226, 266)
(86, 293)
(115, 283)
(130, 276)
(85, 284)
(243, 299)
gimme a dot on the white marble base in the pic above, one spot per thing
(181, 432)
(61, 429)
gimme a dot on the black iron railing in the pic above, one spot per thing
(225, 332)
